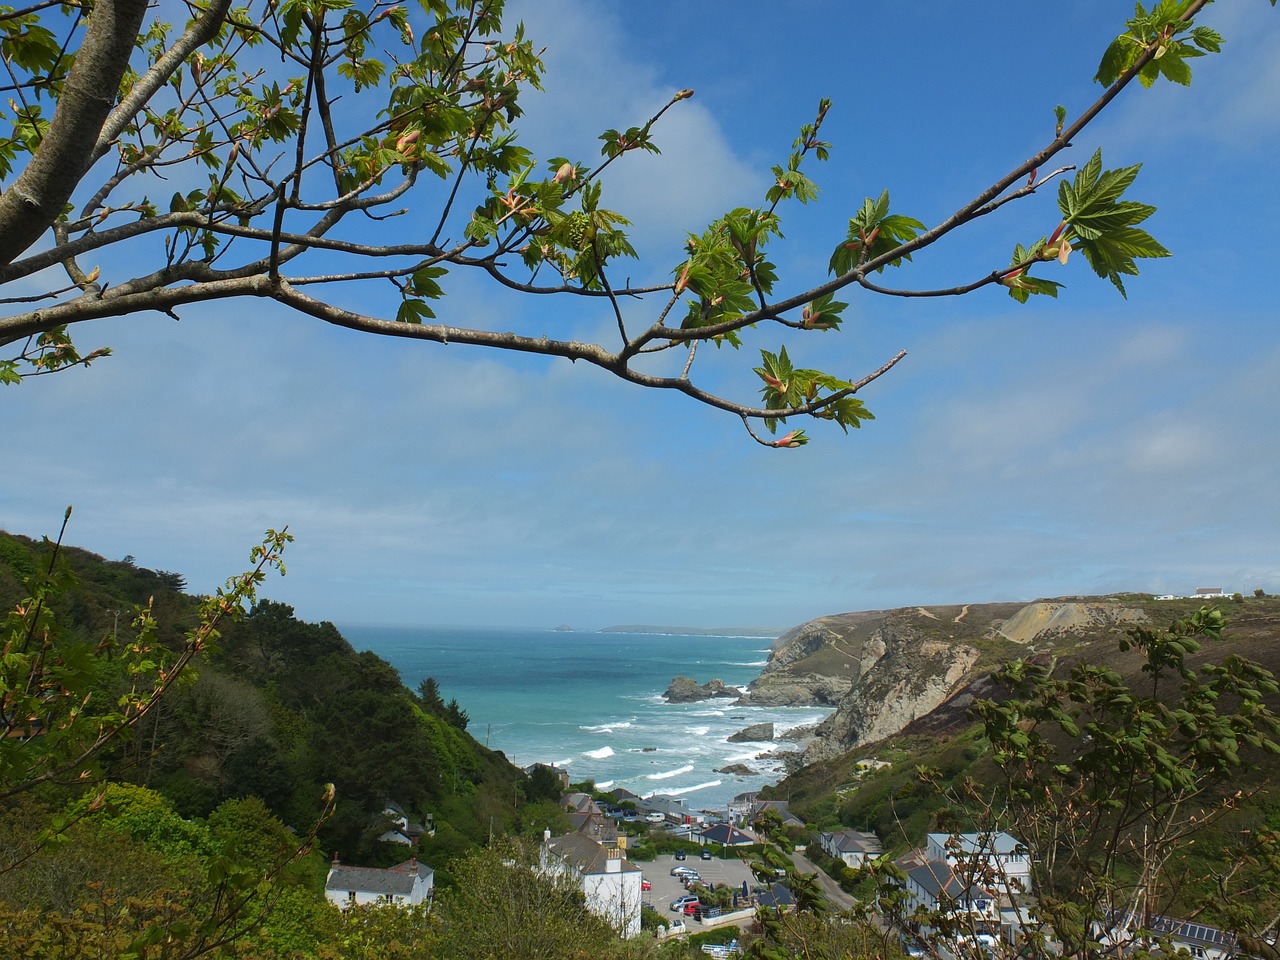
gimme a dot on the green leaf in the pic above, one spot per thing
(414, 311)
(1104, 225)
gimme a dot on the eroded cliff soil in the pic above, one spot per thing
(882, 669)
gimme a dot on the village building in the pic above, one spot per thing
(994, 859)
(406, 884)
(726, 835)
(609, 882)
(853, 848)
(759, 807)
(933, 886)
(400, 829)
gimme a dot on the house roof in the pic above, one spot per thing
(1189, 931)
(781, 806)
(603, 831)
(586, 856)
(936, 879)
(778, 895)
(854, 841)
(1184, 931)
(726, 834)
(580, 803)
(397, 880)
(970, 844)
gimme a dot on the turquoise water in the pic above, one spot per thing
(591, 702)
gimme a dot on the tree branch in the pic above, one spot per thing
(66, 151)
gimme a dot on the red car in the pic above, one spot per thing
(645, 884)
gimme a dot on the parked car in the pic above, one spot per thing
(646, 884)
(705, 912)
(914, 946)
(706, 854)
(681, 871)
(688, 900)
(690, 877)
(680, 854)
(654, 817)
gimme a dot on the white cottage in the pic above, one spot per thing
(610, 883)
(996, 859)
(934, 887)
(406, 884)
(853, 848)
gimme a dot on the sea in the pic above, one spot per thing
(591, 703)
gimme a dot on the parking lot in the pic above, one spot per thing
(666, 888)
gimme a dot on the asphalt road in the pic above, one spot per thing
(838, 898)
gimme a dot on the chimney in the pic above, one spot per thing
(613, 861)
(546, 835)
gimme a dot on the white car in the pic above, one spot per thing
(654, 817)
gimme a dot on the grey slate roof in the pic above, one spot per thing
(395, 881)
(586, 856)
(723, 833)
(936, 878)
(970, 844)
(855, 841)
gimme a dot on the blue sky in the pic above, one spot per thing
(1085, 445)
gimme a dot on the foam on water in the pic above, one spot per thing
(606, 727)
(681, 791)
(559, 694)
(668, 774)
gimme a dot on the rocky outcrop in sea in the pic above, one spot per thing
(688, 690)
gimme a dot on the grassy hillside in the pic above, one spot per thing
(901, 805)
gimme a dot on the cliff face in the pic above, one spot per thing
(883, 669)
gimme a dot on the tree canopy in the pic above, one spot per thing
(306, 152)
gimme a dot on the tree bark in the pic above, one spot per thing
(65, 154)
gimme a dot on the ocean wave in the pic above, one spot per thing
(604, 785)
(606, 727)
(748, 663)
(681, 791)
(700, 731)
(599, 754)
(666, 775)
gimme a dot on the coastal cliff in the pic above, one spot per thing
(883, 669)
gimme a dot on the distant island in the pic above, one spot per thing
(771, 633)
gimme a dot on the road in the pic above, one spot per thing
(830, 889)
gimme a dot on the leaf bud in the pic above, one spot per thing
(566, 172)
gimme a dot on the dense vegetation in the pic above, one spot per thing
(1188, 714)
(208, 823)
(215, 814)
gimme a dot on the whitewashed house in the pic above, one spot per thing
(994, 859)
(406, 884)
(934, 887)
(610, 883)
(400, 829)
(853, 848)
